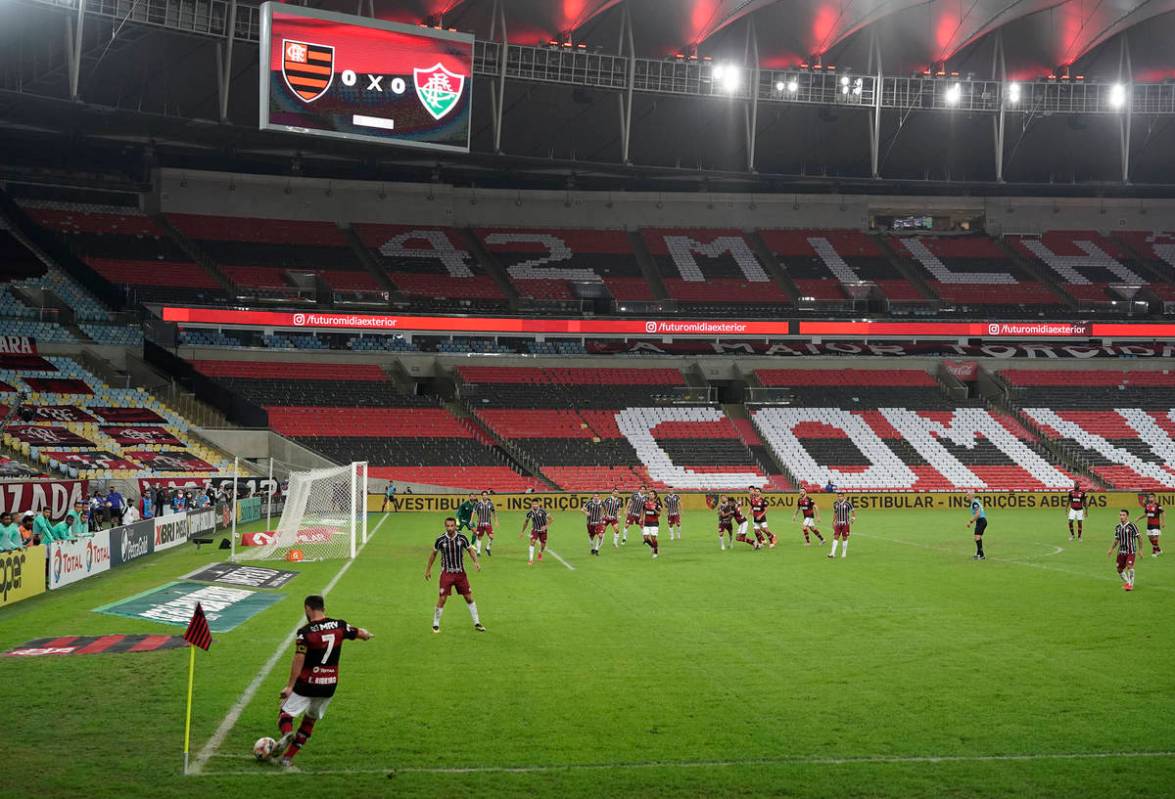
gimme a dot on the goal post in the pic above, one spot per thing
(325, 517)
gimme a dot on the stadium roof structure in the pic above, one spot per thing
(1040, 94)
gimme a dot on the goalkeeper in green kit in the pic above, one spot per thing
(465, 513)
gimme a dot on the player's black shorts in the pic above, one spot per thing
(980, 525)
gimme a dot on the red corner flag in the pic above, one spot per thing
(198, 633)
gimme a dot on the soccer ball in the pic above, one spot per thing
(264, 748)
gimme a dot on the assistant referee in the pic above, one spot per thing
(979, 519)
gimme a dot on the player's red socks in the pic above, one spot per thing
(285, 722)
(1155, 548)
(1080, 529)
(816, 533)
(300, 738)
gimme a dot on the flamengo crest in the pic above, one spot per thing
(438, 89)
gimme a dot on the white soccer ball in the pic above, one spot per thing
(264, 748)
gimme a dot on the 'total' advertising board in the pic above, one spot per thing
(348, 77)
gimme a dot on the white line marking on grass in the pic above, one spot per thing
(559, 558)
(234, 712)
(262, 771)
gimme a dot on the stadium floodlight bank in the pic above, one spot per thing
(325, 517)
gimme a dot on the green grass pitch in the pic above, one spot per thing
(905, 670)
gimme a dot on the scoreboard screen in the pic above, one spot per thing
(349, 77)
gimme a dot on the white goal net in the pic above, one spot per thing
(325, 517)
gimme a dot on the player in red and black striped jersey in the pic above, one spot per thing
(742, 522)
(452, 546)
(1153, 513)
(1078, 502)
(1126, 542)
(651, 521)
(612, 505)
(593, 511)
(539, 521)
(811, 514)
(758, 505)
(314, 676)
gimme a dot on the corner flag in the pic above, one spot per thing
(198, 634)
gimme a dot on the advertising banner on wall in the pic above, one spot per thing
(131, 542)
(170, 531)
(22, 574)
(33, 495)
(73, 561)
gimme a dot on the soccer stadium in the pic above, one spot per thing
(654, 398)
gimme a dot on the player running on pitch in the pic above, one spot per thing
(843, 516)
(1078, 503)
(741, 521)
(807, 506)
(593, 511)
(1126, 542)
(539, 521)
(979, 519)
(636, 507)
(1153, 512)
(465, 512)
(314, 676)
(453, 546)
(673, 510)
(486, 514)
(758, 504)
(651, 520)
(612, 505)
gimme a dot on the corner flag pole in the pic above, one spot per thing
(269, 499)
(198, 634)
(188, 715)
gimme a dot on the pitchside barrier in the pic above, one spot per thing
(864, 501)
(34, 570)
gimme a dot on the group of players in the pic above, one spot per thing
(643, 509)
(314, 672)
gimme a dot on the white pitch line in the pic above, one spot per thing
(234, 712)
(559, 558)
(694, 764)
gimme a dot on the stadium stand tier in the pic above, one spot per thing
(83, 427)
(431, 264)
(1120, 423)
(823, 262)
(895, 430)
(591, 429)
(542, 264)
(259, 254)
(974, 274)
(128, 250)
(352, 412)
(713, 271)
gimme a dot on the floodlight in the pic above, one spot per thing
(1117, 95)
(792, 86)
(1013, 93)
(954, 93)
